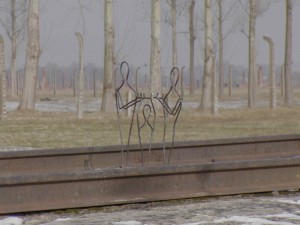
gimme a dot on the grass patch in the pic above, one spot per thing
(58, 130)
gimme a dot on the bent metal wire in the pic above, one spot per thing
(143, 109)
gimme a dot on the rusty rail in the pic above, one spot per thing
(35, 180)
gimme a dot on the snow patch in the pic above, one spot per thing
(62, 219)
(251, 221)
(128, 223)
(289, 201)
(284, 215)
(193, 223)
(11, 221)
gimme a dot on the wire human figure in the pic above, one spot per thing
(171, 111)
(120, 105)
(144, 104)
(148, 120)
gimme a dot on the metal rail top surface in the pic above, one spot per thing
(117, 148)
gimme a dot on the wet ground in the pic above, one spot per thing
(262, 209)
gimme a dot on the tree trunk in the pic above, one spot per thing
(221, 48)
(14, 50)
(32, 57)
(174, 37)
(174, 33)
(155, 77)
(252, 56)
(214, 96)
(282, 82)
(271, 73)
(81, 71)
(2, 81)
(95, 72)
(74, 82)
(206, 89)
(260, 76)
(108, 92)
(230, 81)
(45, 82)
(192, 46)
(288, 98)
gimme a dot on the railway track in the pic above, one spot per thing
(36, 180)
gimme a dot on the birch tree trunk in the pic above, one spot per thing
(155, 77)
(214, 95)
(14, 50)
(221, 48)
(2, 81)
(174, 33)
(288, 98)
(208, 61)
(172, 4)
(252, 56)
(192, 46)
(81, 72)
(32, 57)
(108, 92)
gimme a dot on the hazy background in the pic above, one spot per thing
(60, 19)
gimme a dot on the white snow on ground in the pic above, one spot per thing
(11, 221)
(251, 221)
(285, 215)
(194, 223)
(128, 223)
(297, 202)
(58, 106)
(14, 148)
(94, 105)
(57, 220)
(62, 219)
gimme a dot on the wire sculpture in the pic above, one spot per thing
(143, 109)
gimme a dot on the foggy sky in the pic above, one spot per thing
(61, 19)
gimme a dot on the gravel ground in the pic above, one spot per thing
(268, 209)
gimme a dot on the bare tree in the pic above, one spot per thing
(14, 27)
(253, 9)
(172, 4)
(221, 48)
(192, 46)
(288, 98)
(108, 94)
(176, 8)
(81, 72)
(208, 58)
(2, 80)
(155, 79)
(224, 14)
(214, 95)
(32, 57)
(252, 55)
